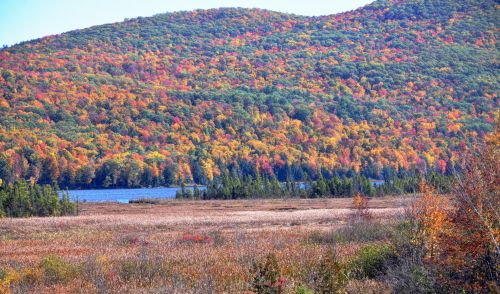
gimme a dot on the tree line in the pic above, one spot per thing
(248, 187)
(132, 173)
(23, 199)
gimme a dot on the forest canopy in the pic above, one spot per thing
(398, 85)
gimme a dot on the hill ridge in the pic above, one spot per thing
(392, 86)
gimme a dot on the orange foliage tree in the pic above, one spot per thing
(473, 245)
(431, 213)
(461, 238)
(360, 203)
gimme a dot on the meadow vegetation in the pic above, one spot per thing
(419, 243)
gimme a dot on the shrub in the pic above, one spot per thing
(217, 238)
(303, 290)
(267, 278)
(318, 237)
(365, 231)
(368, 286)
(407, 277)
(331, 276)
(372, 261)
(144, 201)
(55, 270)
(133, 240)
(143, 270)
(430, 213)
(94, 270)
(360, 203)
(473, 262)
(32, 276)
(7, 277)
(195, 238)
(408, 272)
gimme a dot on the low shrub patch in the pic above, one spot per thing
(331, 276)
(303, 290)
(267, 277)
(55, 270)
(363, 232)
(372, 261)
(144, 201)
(143, 270)
(196, 239)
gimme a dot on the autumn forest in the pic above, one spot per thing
(395, 86)
(352, 153)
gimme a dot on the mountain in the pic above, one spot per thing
(395, 85)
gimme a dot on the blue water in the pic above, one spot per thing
(123, 195)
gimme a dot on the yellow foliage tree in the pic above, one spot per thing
(431, 212)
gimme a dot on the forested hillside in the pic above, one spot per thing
(188, 96)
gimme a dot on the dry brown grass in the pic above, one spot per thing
(201, 245)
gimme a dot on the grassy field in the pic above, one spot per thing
(189, 246)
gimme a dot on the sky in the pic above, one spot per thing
(23, 20)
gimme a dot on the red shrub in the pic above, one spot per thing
(196, 238)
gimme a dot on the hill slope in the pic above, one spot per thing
(399, 84)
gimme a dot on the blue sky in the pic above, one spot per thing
(22, 20)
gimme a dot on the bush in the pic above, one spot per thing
(144, 201)
(410, 278)
(372, 261)
(7, 277)
(267, 278)
(133, 240)
(55, 270)
(30, 277)
(94, 270)
(365, 231)
(303, 290)
(408, 272)
(368, 286)
(318, 237)
(360, 203)
(217, 238)
(331, 275)
(195, 239)
(143, 270)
